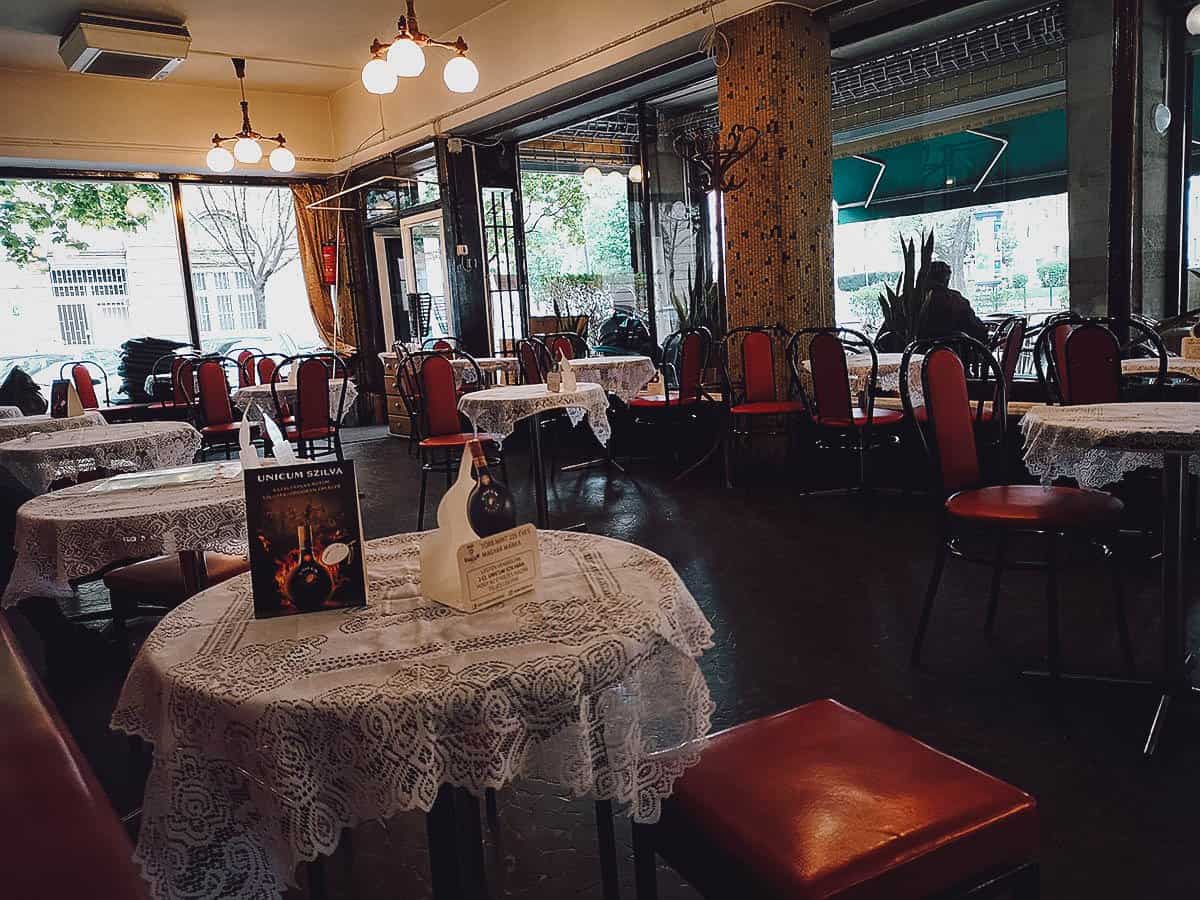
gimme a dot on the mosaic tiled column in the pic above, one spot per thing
(779, 225)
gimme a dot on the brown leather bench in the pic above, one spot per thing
(59, 836)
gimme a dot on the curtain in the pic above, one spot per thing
(315, 227)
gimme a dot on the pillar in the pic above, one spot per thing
(779, 224)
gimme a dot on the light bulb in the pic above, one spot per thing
(591, 175)
(460, 75)
(406, 59)
(282, 159)
(136, 206)
(378, 77)
(220, 160)
(246, 150)
(1193, 20)
(635, 174)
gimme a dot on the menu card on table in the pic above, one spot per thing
(305, 532)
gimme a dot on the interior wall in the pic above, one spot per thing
(98, 122)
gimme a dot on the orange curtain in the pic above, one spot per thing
(315, 227)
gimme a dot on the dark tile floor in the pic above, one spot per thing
(811, 596)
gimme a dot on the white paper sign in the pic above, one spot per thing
(497, 568)
(74, 404)
(568, 376)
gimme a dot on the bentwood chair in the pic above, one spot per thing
(440, 344)
(836, 419)
(973, 508)
(443, 438)
(246, 369)
(85, 384)
(821, 802)
(1007, 344)
(1088, 369)
(534, 359)
(753, 391)
(182, 367)
(315, 422)
(211, 409)
(566, 345)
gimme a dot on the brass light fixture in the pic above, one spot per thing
(246, 147)
(404, 57)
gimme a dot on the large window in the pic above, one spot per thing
(246, 275)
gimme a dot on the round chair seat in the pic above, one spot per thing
(880, 418)
(1032, 506)
(768, 408)
(452, 441)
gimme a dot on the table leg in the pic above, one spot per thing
(539, 471)
(195, 574)
(456, 846)
(1176, 512)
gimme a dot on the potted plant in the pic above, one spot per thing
(905, 308)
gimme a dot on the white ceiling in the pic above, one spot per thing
(301, 46)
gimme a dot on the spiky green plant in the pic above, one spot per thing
(906, 307)
(702, 303)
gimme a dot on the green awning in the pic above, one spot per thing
(941, 173)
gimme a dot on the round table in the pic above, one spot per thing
(81, 530)
(623, 376)
(22, 425)
(497, 411)
(1176, 365)
(255, 400)
(10, 412)
(1101, 444)
(858, 367)
(38, 460)
(273, 735)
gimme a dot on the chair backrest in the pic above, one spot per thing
(266, 366)
(312, 393)
(685, 357)
(1091, 365)
(757, 354)
(246, 372)
(183, 378)
(439, 398)
(534, 359)
(213, 401)
(831, 400)
(81, 375)
(1007, 345)
(440, 344)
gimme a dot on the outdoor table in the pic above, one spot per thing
(621, 376)
(497, 411)
(38, 460)
(20, 426)
(1099, 445)
(271, 736)
(255, 400)
(80, 531)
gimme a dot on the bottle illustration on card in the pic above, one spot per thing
(310, 583)
(490, 508)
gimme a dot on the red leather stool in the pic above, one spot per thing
(821, 802)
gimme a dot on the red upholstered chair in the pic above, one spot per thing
(837, 417)
(1092, 365)
(211, 407)
(1091, 373)
(246, 370)
(314, 425)
(973, 507)
(443, 438)
(756, 395)
(81, 374)
(266, 366)
(1007, 344)
(566, 344)
(821, 802)
(534, 359)
(182, 369)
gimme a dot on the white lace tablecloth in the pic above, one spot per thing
(19, 426)
(1176, 365)
(271, 736)
(37, 460)
(259, 397)
(10, 412)
(79, 531)
(498, 410)
(620, 375)
(858, 367)
(1099, 445)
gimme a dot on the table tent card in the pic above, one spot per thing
(64, 399)
(468, 573)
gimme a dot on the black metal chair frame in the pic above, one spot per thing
(336, 367)
(450, 340)
(89, 364)
(734, 392)
(157, 369)
(579, 346)
(949, 536)
(545, 359)
(1046, 363)
(251, 365)
(193, 395)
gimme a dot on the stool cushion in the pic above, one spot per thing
(451, 441)
(768, 408)
(1029, 505)
(880, 418)
(161, 579)
(823, 802)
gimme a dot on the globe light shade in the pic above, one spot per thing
(635, 174)
(461, 75)
(247, 150)
(136, 206)
(220, 160)
(406, 59)
(615, 177)
(378, 77)
(282, 159)
(1193, 20)
(591, 175)
(1162, 118)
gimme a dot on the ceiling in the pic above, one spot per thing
(303, 46)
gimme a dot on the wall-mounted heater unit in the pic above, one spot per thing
(101, 44)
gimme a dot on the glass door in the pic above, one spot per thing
(427, 274)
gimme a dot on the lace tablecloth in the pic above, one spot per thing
(37, 460)
(19, 426)
(271, 736)
(259, 397)
(1176, 365)
(81, 530)
(620, 375)
(858, 367)
(1099, 445)
(10, 412)
(498, 410)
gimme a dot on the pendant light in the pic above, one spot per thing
(404, 57)
(246, 146)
